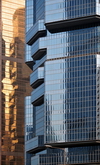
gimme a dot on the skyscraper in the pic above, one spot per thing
(63, 122)
(14, 83)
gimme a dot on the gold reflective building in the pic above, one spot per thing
(14, 81)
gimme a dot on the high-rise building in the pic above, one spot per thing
(14, 85)
(62, 125)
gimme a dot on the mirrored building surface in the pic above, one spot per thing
(62, 126)
(14, 84)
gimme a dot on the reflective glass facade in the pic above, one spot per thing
(67, 9)
(14, 83)
(65, 79)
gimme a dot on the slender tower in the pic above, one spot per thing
(13, 81)
(64, 55)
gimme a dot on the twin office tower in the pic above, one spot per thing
(63, 123)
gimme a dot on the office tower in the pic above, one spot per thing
(14, 85)
(63, 48)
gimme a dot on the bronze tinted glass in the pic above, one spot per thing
(14, 81)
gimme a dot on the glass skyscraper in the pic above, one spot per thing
(62, 115)
(14, 81)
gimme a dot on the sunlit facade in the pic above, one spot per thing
(14, 79)
(63, 112)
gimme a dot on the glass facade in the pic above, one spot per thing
(71, 88)
(65, 79)
(67, 9)
(14, 82)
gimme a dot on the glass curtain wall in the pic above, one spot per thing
(14, 80)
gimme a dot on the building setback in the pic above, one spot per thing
(62, 125)
(14, 85)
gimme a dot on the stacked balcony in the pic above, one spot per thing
(71, 14)
(35, 144)
(38, 30)
(28, 59)
(37, 77)
(40, 63)
(37, 96)
(34, 38)
(38, 50)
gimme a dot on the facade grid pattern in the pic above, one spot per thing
(66, 98)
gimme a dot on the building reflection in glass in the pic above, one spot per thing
(14, 82)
